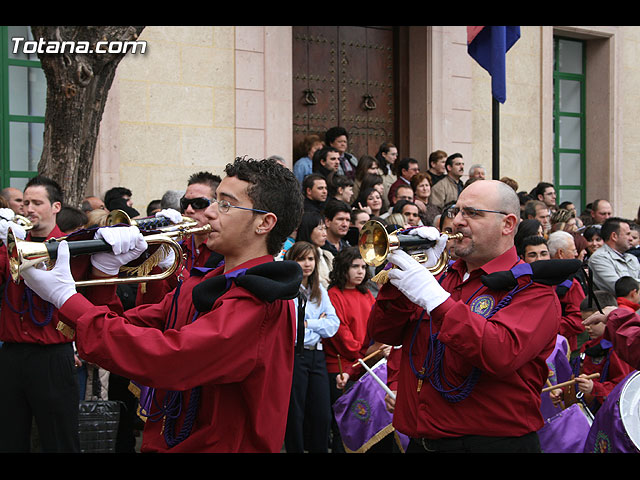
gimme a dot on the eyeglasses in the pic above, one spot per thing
(197, 203)
(224, 207)
(470, 212)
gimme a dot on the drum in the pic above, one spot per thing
(567, 431)
(616, 426)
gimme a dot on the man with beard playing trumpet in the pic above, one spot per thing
(473, 359)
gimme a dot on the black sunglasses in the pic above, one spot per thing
(196, 203)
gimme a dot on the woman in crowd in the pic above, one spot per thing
(370, 200)
(303, 166)
(421, 184)
(594, 241)
(312, 229)
(386, 157)
(310, 407)
(367, 165)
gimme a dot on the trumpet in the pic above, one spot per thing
(24, 254)
(375, 244)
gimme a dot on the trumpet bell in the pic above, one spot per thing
(375, 244)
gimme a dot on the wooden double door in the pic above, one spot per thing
(345, 76)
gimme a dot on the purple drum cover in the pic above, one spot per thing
(566, 431)
(608, 433)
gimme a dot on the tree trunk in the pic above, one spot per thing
(77, 89)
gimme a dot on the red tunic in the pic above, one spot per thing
(571, 322)
(154, 291)
(617, 370)
(623, 330)
(240, 352)
(352, 308)
(510, 349)
(16, 324)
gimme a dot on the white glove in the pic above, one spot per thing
(431, 233)
(127, 244)
(416, 282)
(167, 261)
(7, 213)
(5, 225)
(55, 286)
(173, 215)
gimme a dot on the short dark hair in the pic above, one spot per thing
(531, 240)
(69, 219)
(274, 188)
(611, 225)
(335, 206)
(540, 188)
(309, 180)
(341, 264)
(338, 181)
(113, 194)
(54, 191)
(435, 156)
(591, 231)
(319, 155)
(397, 208)
(333, 133)
(624, 286)
(205, 178)
(403, 164)
(604, 297)
(451, 158)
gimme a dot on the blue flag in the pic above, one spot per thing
(488, 46)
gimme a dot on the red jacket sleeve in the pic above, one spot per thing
(623, 330)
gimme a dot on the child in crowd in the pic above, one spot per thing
(627, 293)
(353, 301)
(310, 408)
(596, 356)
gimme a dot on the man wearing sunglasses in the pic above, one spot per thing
(201, 190)
(217, 354)
(473, 358)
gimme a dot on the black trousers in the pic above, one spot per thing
(41, 382)
(477, 444)
(309, 418)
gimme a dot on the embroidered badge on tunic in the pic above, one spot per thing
(483, 305)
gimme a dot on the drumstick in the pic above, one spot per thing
(340, 367)
(569, 382)
(368, 357)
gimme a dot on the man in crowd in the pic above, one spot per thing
(37, 366)
(610, 262)
(406, 168)
(546, 193)
(326, 161)
(495, 370)
(200, 192)
(220, 381)
(13, 196)
(447, 190)
(562, 246)
(600, 211)
(436, 168)
(337, 217)
(478, 172)
(314, 188)
(535, 209)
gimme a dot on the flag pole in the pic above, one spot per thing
(495, 122)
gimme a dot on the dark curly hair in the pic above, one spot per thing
(274, 188)
(341, 264)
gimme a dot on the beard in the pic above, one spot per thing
(461, 250)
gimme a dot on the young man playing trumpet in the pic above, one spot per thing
(218, 353)
(37, 365)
